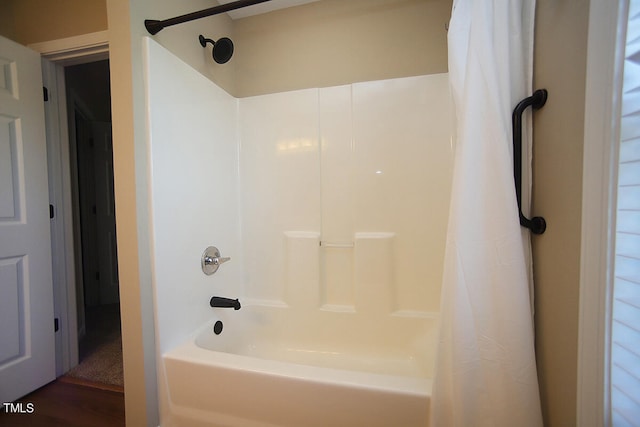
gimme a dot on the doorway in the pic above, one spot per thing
(95, 247)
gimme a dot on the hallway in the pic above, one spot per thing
(100, 350)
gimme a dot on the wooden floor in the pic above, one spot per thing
(68, 402)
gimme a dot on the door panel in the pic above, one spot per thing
(27, 347)
(9, 206)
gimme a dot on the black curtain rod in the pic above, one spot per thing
(154, 26)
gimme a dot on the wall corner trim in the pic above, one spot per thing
(602, 112)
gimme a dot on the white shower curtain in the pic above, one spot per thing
(486, 369)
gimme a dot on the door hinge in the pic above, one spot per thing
(45, 93)
(51, 214)
(56, 325)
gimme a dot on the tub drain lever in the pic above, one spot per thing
(211, 260)
(225, 303)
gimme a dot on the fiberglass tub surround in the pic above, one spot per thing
(332, 204)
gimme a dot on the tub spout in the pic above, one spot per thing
(225, 303)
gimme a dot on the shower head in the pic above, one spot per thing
(222, 49)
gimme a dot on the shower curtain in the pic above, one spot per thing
(486, 369)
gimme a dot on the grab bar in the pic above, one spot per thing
(537, 224)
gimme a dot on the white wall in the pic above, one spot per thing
(280, 185)
(194, 193)
(345, 195)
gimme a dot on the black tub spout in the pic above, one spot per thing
(225, 303)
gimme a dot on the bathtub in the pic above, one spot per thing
(274, 366)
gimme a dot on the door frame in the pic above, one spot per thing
(58, 54)
(605, 58)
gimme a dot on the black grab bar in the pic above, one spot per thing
(154, 26)
(537, 224)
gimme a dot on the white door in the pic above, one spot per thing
(27, 346)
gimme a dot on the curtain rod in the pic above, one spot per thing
(154, 26)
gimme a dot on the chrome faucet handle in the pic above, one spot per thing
(215, 260)
(211, 260)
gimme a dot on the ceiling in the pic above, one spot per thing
(262, 7)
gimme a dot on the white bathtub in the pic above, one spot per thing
(276, 367)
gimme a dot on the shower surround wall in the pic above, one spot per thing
(344, 195)
(194, 196)
(330, 202)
